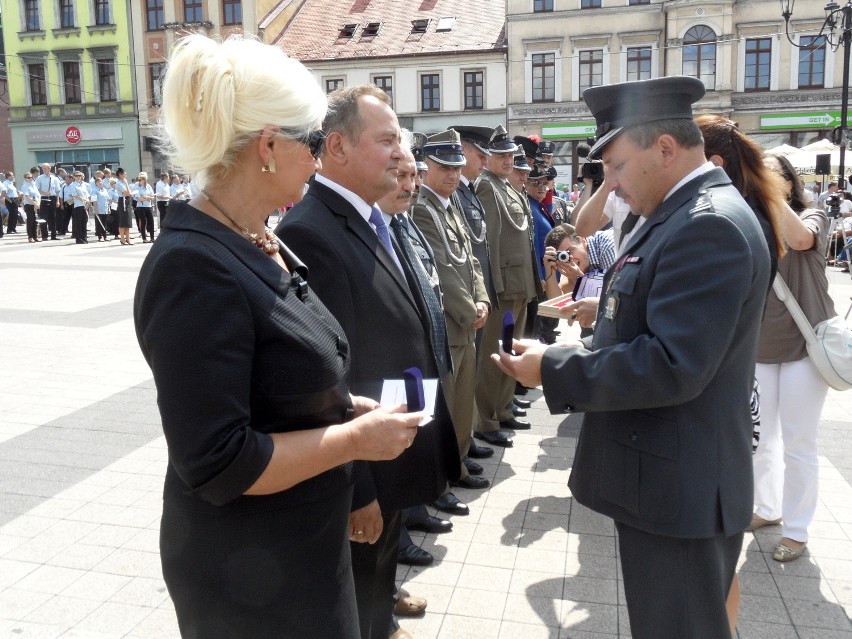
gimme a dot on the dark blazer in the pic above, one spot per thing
(388, 331)
(474, 216)
(666, 440)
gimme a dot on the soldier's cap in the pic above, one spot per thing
(546, 147)
(445, 148)
(478, 136)
(500, 142)
(417, 151)
(550, 173)
(530, 147)
(618, 106)
(521, 163)
(537, 173)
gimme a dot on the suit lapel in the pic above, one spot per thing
(361, 229)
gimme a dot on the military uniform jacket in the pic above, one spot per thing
(458, 269)
(474, 219)
(665, 444)
(507, 227)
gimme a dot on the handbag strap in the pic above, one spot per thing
(784, 294)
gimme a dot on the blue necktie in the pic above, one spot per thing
(378, 222)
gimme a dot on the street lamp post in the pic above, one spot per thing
(837, 31)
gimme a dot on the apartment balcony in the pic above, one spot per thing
(92, 110)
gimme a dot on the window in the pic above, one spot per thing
(638, 63)
(371, 29)
(106, 80)
(591, 69)
(699, 55)
(445, 24)
(811, 62)
(430, 92)
(420, 25)
(347, 30)
(38, 84)
(474, 86)
(71, 82)
(102, 12)
(590, 4)
(155, 14)
(192, 11)
(385, 83)
(31, 20)
(543, 77)
(333, 84)
(155, 71)
(540, 6)
(758, 63)
(66, 14)
(232, 11)
(632, 2)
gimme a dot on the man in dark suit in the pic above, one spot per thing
(665, 447)
(357, 271)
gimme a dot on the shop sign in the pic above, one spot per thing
(801, 120)
(569, 130)
(72, 134)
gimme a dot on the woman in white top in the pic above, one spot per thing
(31, 198)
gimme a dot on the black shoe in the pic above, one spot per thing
(496, 438)
(431, 524)
(515, 424)
(479, 452)
(449, 503)
(472, 467)
(522, 403)
(517, 411)
(472, 481)
(520, 389)
(414, 555)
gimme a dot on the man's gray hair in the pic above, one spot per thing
(685, 132)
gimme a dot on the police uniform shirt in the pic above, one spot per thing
(11, 189)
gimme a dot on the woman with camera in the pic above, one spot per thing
(251, 369)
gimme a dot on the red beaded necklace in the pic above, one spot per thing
(267, 244)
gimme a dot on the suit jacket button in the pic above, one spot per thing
(634, 436)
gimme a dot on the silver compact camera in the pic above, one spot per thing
(563, 256)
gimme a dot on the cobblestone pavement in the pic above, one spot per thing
(82, 460)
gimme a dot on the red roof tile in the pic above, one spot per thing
(313, 32)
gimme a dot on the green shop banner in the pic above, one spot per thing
(801, 120)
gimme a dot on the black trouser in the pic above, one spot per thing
(47, 211)
(677, 587)
(80, 224)
(12, 205)
(32, 225)
(145, 221)
(374, 570)
(101, 225)
(66, 216)
(162, 206)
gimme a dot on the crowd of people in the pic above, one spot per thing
(46, 204)
(291, 489)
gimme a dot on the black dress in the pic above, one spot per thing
(240, 349)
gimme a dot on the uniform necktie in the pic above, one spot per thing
(378, 222)
(627, 226)
(436, 313)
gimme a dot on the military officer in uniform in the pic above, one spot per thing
(516, 282)
(466, 303)
(666, 443)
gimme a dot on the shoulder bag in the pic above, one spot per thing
(829, 343)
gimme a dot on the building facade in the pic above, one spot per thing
(776, 92)
(157, 24)
(442, 62)
(70, 80)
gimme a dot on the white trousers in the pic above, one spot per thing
(786, 468)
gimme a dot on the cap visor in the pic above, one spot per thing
(597, 148)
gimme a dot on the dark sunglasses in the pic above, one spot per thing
(313, 140)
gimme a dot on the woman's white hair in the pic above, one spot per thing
(218, 96)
